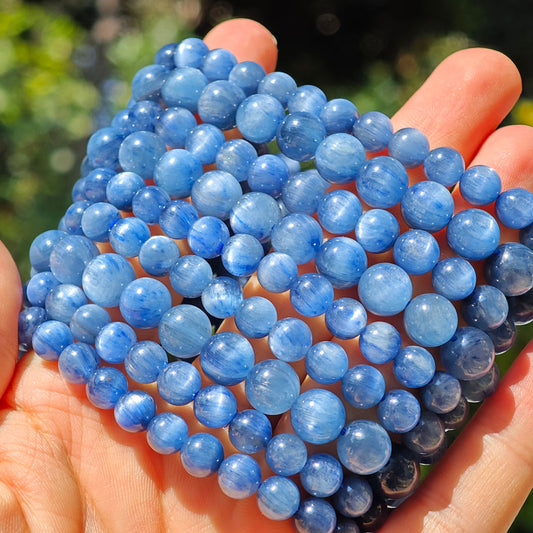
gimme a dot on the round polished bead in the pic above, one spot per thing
(140, 151)
(114, 341)
(311, 294)
(503, 337)
(215, 406)
(376, 230)
(414, 366)
(218, 63)
(176, 171)
(307, 98)
(427, 438)
(363, 386)
(128, 235)
(477, 390)
(258, 117)
(454, 278)
(339, 116)
(303, 191)
(286, 454)
(201, 454)
(190, 53)
(147, 81)
(179, 382)
(121, 189)
(218, 103)
(78, 190)
(190, 275)
(430, 319)
(255, 213)
(144, 115)
(28, 321)
(73, 216)
(77, 362)
(183, 330)
(526, 236)
(416, 251)
(290, 339)
(442, 393)
(222, 296)
(398, 411)
(255, 317)
(338, 211)
(339, 158)
(96, 184)
(354, 496)
(158, 254)
(145, 360)
(134, 410)
(268, 173)
(149, 202)
(486, 308)
(299, 135)
(70, 256)
(50, 338)
(183, 87)
(250, 431)
(514, 208)
(410, 146)
(105, 386)
(346, 318)
(87, 321)
(379, 342)
(458, 416)
(204, 142)
(278, 498)
(207, 236)
(235, 156)
(166, 433)
(247, 76)
(480, 185)
(103, 147)
(521, 308)
(272, 386)
(277, 272)
(241, 254)
(374, 130)
(62, 302)
(322, 475)
(385, 289)
(444, 165)
(174, 126)
(326, 362)
(239, 476)
(215, 193)
(277, 84)
(315, 515)
(41, 248)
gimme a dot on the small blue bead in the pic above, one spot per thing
(96, 183)
(87, 321)
(454, 278)
(255, 317)
(279, 85)
(145, 360)
(363, 386)
(398, 411)
(379, 342)
(103, 147)
(176, 171)
(144, 115)
(311, 294)
(28, 321)
(290, 339)
(218, 103)
(179, 382)
(241, 254)
(250, 431)
(177, 217)
(303, 191)
(147, 82)
(486, 308)
(215, 406)
(204, 142)
(278, 498)
(427, 439)
(414, 366)
(299, 135)
(140, 151)
(338, 211)
(149, 202)
(268, 173)
(218, 63)
(444, 165)
(121, 189)
(183, 87)
(247, 76)
(70, 256)
(166, 433)
(416, 251)
(521, 308)
(77, 362)
(339, 158)
(50, 338)
(354, 498)
(73, 216)
(514, 208)
(222, 296)
(346, 318)
(286, 454)
(239, 476)
(376, 230)
(255, 213)
(277, 272)
(503, 337)
(105, 386)
(201, 455)
(215, 193)
(258, 117)
(190, 275)
(236, 156)
(121, 122)
(63, 300)
(190, 53)
(98, 219)
(480, 185)
(134, 410)
(374, 130)
(39, 286)
(308, 99)
(174, 126)
(165, 55)
(526, 236)
(410, 146)
(322, 475)
(207, 237)
(442, 393)
(477, 390)
(315, 515)
(326, 362)
(158, 254)
(41, 248)
(339, 116)
(114, 341)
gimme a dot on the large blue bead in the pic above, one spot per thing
(255, 213)
(174, 126)
(258, 117)
(444, 165)
(215, 406)
(183, 87)
(307, 98)
(190, 275)
(416, 251)
(322, 475)
(326, 362)
(514, 208)
(222, 296)
(105, 386)
(176, 172)
(166, 433)
(398, 411)
(128, 235)
(454, 278)
(480, 185)
(70, 256)
(339, 158)
(77, 362)
(376, 230)
(346, 318)
(338, 211)
(354, 496)
(299, 135)
(140, 151)
(103, 147)
(414, 366)
(380, 342)
(114, 341)
(290, 339)
(486, 308)
(218, 103)
(410, 146)
(201, 454)
(179, 382)
(63, 300)
(303, 191)
(277, 272)
(278, 498)
(97, 220)
(50, 338)
(250, 431)
(286, 454)
(239, 476)
(311, 294)
(145, 360)
(235, 156)
(215, 193)
(134, 410)
(363, 386)
(315, 515)
(374, 130)
(147, 81)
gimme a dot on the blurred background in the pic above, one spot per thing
(65, 69)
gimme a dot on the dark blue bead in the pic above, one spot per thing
(73, 215)
(50, 338)
(458, 416)
(299, 135)
(410, 146)
(354, 496)
(503, 337)
(526, 236)
(174, 126)
(105, 386)
(103, 147)
(176, 172)
(250, 431)
(454, 278)
(442, 393)
(218, 103)
(166, 433)
(278, 498)
(477, 390)
(363, 386)
(134, 410)
(239, 476)
(339, 158)
(28, 321)
(521, 308)
(376, 230)
(416, 251)
(201, 454)
(486, 308)
(144, 115)
(322, 475)
(247, 76)
(179, 382)
(215, 406)
(258, 117)
(374, 130)
(96, 182)
(514, 208)
(218, 63)
(480, 185)
(236, 156)
(414, 366)
(398, 411)
(77, 362)
(145, 361)
(444, 165)
(183, 87)
(339, 116)
(315, 515)
(427, 437)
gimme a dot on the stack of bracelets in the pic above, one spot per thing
(217, 229)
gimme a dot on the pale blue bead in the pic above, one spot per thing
(338, 211)
(176, 171)
(311, 294)
(147, 81)
(354, 498)
(303, 191)
(183, 87)
(39, 286)
(318, 416)
(190, 275)
(444, 165)
(339, 116)
(376, 230)
(87, 321)
(235, 156)
(442, 393)
(174, 126)
(364, 447)
(158, 254)
(128, 235)
(363, 386)
(204, 142)
(326, 362)
(315, 515)
(258, 117)
(286, 454)
(416, 251)
(98, 219)
(480, 185)
(268, 173)
(454, 278)
(103, 147)
(308, 99)
(207, 236)
(339, 158)
(179, 382)
(190, 53)
(427, 205)
(239, 476)
(410, 146)
(201, 454)
(346, 318)
(255, 317)
(379, 342)
(509, 268)
(279, 85)
(272, 386)
(277, 272)
(41, 248)
(398, 411)
(473, 234)
(145, 360)
(114, 341)
(134, 410)
(121, 189)
(486, 308)
(290, 339)
(514, 208)
(218, 103)
(385, 289)
(70, 256)
(63, 300)
(50, 338)
(299, 135)
(247, 76)
(140, 151)
(183, 330)
(414, 366)
(96, 183)
(105, 386)
(374, 130)
(278, 498)
(255, 213)
(322, 475)
(218, 63)
(77, 362)
(215, 406)
(250, 431)
(177, 217)
(148, 203)
(222, 296)
(166, 433)
(73, 216)
(215, 193)
(28, 320)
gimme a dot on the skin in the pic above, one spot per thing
(66, 466)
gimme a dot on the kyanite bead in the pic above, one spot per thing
(258, 117)
(376, 230)
(277, 84)
(278, 498)
(176, 171)
(149, 202)
(410, 146)
(96, 184)
(114, 341)
(215, 193)
(179, 382)
(190, 53)
(364, 447)
(315, 515)
(277, 272)
(339, 158)
(326, 362)
(218, 103)
(183, 87)
(311, 294)
(73, 216)
(70, 256)
(222, 296)
(363, 386)
(272, 386)
(299, 135)
(339, 116)
(241, 254)
(103, 147)
(318, 416)
(87, 321)
(235, 156)
(128, 235)
(250, 431)
(204, 142)
(454, 278)
(158, 254)
(486, 308)
(62, 302)
(322, 475)
(41, 248)
(174, 126)
(307, 98)
(514, 208)
(247, 76)
(166, 433)
(374, 130)
(50, 338)
(354, 496)
(526, 236)
(201, 454)
(268, 173)
(190, 275)
(239, 476)
(286, 454)
(207, 236)
(444, 165)
(28, 321)
(255, 213)
(480, 185)
(77, 362)
(398, 411)
(521, 308)
(105, 386)
(144, 115)
(303, 191)
(145, 361)
(255, 317)
(430, 319)
(134, 410)
(477, 390)
(140, 151)
(346, 318)
(379, 342)
(458, 416)
(215, 406)
(121, 189)
(414, 366)
(338, 211)
(147, 81)
(183, 330)
(442, 393)
(218, 63)
(503, 337)
(427, 438)
(290, 339)
(416, 251)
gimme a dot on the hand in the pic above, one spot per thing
(66, 466)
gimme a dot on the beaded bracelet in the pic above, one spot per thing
(203, 215)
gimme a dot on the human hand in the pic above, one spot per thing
(66, 466)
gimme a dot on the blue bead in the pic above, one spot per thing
(318, 416)
(258, 117)
(326, 362)
(430, 319)
(398, 411)
(255, 317)
(62, 302)
(278, 498)
(514, 208)
(339, 158)
(322, 475)
(268, 173)
(98, 219)
(166, 433)
(416, 251)
(165, 55)
(28, 321)
(379, 342)
(190, 53)
(303, 191)
(442, 393)
(183, 87)
(364, 447)
(444, 165)
(279, 85)
(486, 308)
(247, 76)
(526, 236)
(50, 338)
(410, 146)
(382, 182)
(121, 121)
(218, 103)
(308, 99)
(105, 386)
(149, 202)
(103, 147)
(521, 308)
(363, 386)
(473, 234)
(376, 230)
(255, 213)
(179, 382)
(218, 63)
(78, 190)
(114, 341)
(39, 286)
(250, 431)
(204, 142)
(338, 211)
(207, 236)
(183, 330)
(354, 497)
(201, 454)
(469, 354)
(374, 130)
(315, 515)
(311, 294)
(144, 115)
(454, 278)
(272, 386)
(476, 390)
(339, 116)
(158, 254)
(73, 215)
(41, 248)
(297, 235)
(70, 256)
(414, 366)
(87, 321)
(134, 410)
(96, 183)
(290, 339)
(480, 185)
(145, 360)
(299, 135)
(77, 362)
(140, 151)
(174, 126)
(176, 172)
(215, 406)
(286, 454)
(346, 318)
(222, 296)
(239, 476)
(121, 189)
(427, 438)
(215, 193)
(177, 217)
(190, 275)
(385, 289)
(503, 337)
(458, 416)
(236, 156)
(147, 82)
(277, 272)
